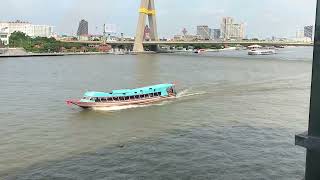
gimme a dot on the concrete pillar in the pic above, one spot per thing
(147, 8)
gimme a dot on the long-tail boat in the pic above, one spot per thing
(123, 97)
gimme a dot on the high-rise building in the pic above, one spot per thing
(226, 27)
(83, 29)
(231, 30)
(308, 31)
(42, 30)
(204, 32)
(237, 31)
(7, 28)
(300, 34)
(216, 33)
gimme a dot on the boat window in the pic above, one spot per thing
(155, 94)
(151, 94)
(103, 99)
(115, 98)
(121, 98)
(97, 100)
(131, 97)
(136, 97)
(141, 96)
(159, 93)
(109, 99)
(126, 98)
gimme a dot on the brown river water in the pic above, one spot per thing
(235, 117)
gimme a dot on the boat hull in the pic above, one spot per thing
(145, 101)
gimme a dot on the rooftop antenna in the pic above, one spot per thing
(184, 31)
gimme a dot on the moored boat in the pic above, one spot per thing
(123, 97)
(199, 51)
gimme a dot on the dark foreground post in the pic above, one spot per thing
(311, 139)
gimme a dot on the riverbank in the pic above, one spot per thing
(50, 54)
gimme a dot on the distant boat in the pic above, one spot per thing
(122, 97)
(259, 50)
(119, 53)
(262, 52)
(229, 48)
(199, 51)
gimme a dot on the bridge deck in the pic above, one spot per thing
(271, 43)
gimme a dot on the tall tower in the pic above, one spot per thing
(226, 27)
(147, 8)
(83, 28)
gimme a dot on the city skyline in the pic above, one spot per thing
(263, 19)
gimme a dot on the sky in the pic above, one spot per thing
(262, 18)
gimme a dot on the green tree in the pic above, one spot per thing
(43, 44)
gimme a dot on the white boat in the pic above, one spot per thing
(199, 51)
(259, 50)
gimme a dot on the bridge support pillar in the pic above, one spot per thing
(311, 139)
(147, 8)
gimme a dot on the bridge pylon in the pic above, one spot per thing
(147, 8)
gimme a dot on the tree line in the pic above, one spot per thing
(44, 44)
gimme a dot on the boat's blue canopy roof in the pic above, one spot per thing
(131, 92)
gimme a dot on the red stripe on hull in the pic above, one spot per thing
(120, 103)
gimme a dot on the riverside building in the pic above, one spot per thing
(7, 28)
(231, 30)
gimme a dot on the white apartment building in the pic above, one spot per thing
(226, 27)
(237, 31)
(231, 30)
(7, 28)
(4, 35)
(42, 31)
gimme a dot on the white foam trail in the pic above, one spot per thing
(187, 93)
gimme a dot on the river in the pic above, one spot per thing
(235, 117)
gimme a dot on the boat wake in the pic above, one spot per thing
(180, 95)
(188, 93)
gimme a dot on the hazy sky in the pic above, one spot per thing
(263, 18)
